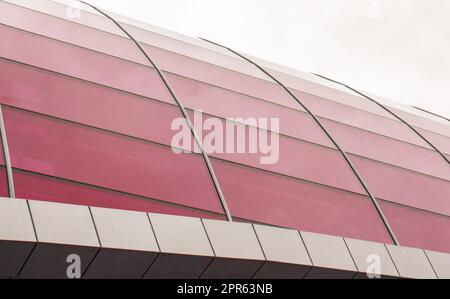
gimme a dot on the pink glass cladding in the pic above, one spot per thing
(296, 158)
(268, 198)
(82, 63)
(4, 192)
(40, 187)
(22, 86)
(419, 229)
(405, 187)
(48, 146)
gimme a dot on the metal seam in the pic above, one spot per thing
(431, 113)
(180, 106)
(7, 157)
(390, 112)
(346, 158)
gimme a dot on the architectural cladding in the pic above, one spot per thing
(88, 106)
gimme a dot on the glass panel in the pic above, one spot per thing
(4, 192)
(359, 118)
(221, 77)
(81, 63)
(40, 187)
(87, 17)
(2, 155)
(56, 95)
(405, 187)
(69, 32)
(418, 229)
(74, 152)
(289, 156)
(268, 198)
(441, 142)
(228, 104)
(388, 150)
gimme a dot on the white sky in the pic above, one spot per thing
(399, 49)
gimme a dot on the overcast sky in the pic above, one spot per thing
(399, 49)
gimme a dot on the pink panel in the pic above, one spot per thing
(40, 187)
(2, 155)
(419, 229)
(441, 142)
(388, 150)
(221, 77)
(70, 32)
(44, 92)
(81, 63)
(296, 158)
(86, 155)
(60, 10)
(273, 199)
(405, 187)
(423, 122)
(228, 104)
(4, 192)
(359, 118)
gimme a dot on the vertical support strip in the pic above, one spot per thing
(12, 192)
(391, 113)
(316, 119)
(180, 106)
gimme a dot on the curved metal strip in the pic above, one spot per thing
(344, 154)
(390, 112)
(180, 106)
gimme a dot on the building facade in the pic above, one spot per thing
(288, 174)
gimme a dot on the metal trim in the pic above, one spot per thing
(9, 172)
(390, 112)
(180, 106)
(344, 154)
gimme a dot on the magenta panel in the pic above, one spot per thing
(441, 142)
(388, 150)
(4, 192)
(419, 229)
(273, 199)
(228, 104)
(81, 63)
(60, 149)
(359, 118)
(405, 187)
(292, 157)
(40, 187)
(59, 96)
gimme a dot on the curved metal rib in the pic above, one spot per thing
(180, 106)
(344, 154)
(390, 112)
(9, 172)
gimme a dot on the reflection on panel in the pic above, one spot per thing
(60, 149)
(40, 187)
(63, 97)
(273, 199)
(417, 228)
